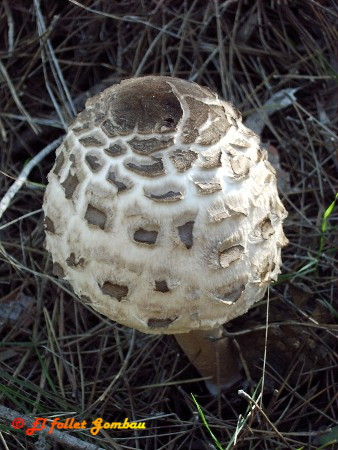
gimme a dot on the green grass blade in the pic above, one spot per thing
(200, 412)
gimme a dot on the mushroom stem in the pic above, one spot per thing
(213, 356)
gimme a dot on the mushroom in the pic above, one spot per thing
(163, 214)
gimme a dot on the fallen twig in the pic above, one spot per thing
(22, 178)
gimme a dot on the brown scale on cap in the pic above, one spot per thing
(115, 150)
(69, 185)
(150, 107)
(59, 162)
(210, 159)
(166, 197)
(91, 141)
(114, 290)
(122, 184)
(93, 162)
(231, 297)
(161, 286)
(186, 233)
(143, 236)
(183, 159)
(180, 184)
(208, 186)
(73, 261)
(153, 169)
(95, 217)
(160, 323)
(229, 255)
(81, 128)
(148, 146)
(58, 270)
(49, 225)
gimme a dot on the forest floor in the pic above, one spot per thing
(277, 61)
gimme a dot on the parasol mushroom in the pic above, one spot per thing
(163, 214)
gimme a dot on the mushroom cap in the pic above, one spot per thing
(162, 210)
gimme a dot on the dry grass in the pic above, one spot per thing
(59, 358)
